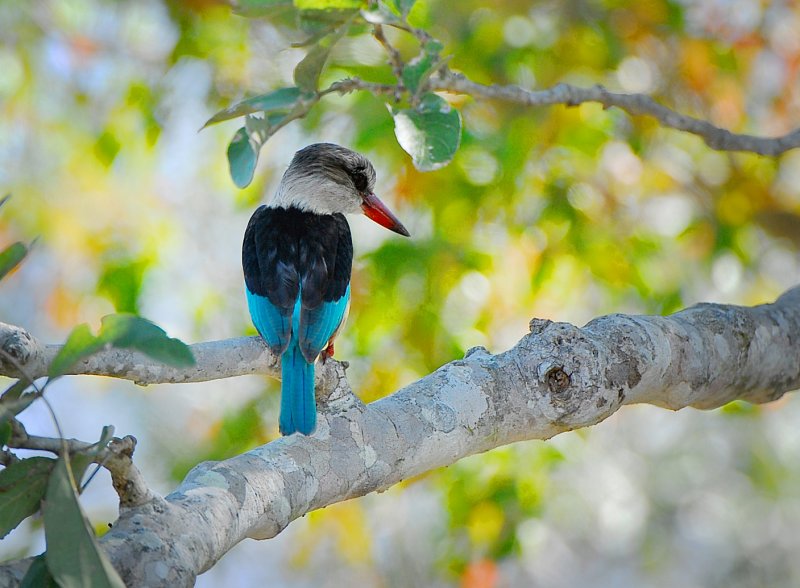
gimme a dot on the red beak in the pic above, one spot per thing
(377, 211)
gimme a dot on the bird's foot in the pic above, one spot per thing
(327, 352)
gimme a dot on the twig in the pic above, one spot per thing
(348, 85)
(395, 60)
(116, 458)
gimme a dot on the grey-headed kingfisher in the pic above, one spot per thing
(297, 257)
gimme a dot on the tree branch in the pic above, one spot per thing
(557, 378)
(569, 95)
(116, 457)
(214, 360)
(635, 104)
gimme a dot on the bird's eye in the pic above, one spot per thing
(360, 181)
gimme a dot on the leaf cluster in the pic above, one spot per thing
(52, 485)
(426, 125)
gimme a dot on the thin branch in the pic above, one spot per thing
(117, 458)
(348, 85)
(39, 394)
(7, 458)
(634, 104)
(395, 60)
(214, 359)
(421, 35)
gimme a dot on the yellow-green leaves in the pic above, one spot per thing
(429, 129)
(307, 72)
(278, 107)
(121, 330)
(80, 344)
(11, 256)
(73, 556)
(429, 133)
(418, 70)
(260, 8)
(329, 4)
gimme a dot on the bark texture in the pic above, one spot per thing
(557, 378)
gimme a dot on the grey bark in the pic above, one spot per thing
(557, 378)
(634, 104)
(569, 95)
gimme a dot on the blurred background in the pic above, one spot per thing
(561, 213)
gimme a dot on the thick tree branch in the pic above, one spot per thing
(557, 378)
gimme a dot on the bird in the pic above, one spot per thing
(297, 257)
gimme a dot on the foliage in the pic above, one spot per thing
(28, 485)
(559, 212)
(426, 127)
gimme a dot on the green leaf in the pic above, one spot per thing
(78, 464)
(121, 281)
(251, 8)
(73, 554)
(22, 486)
(38, 576)
(80, 345)
(14, 407)
(134, 332)
(13, 402)
(106, 148)
(121, 330)
(402, 6)
(430, 133)
(415, 70)
(10, 258)
(242, 158)
(329, 4)
(282, 99)
(423, 66)
(14, 391)
(379, 15)
(317, 16)
(307, 72)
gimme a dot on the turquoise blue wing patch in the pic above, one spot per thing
(273, 323)
(317, 326)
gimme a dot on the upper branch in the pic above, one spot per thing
(635, 104)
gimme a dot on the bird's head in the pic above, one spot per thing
(324, 178)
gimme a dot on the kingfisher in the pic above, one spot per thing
(297, 258)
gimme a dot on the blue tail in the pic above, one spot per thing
(298, 407)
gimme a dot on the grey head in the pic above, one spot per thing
(325, 178)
